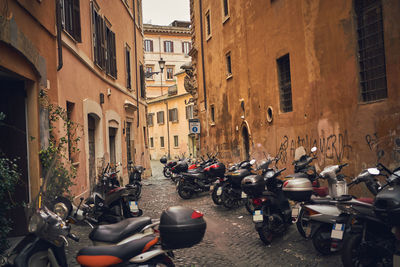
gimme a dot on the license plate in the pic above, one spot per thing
(244, 195)
(133, 206)
(219, 191)
(212, 187)
(337, 231)
(295, 212)
(258, 216)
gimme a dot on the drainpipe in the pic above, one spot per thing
(136, 63)
(59, 29)
(202, 54)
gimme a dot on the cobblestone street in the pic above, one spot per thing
(230, 239)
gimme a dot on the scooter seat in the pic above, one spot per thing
(114, 233)
(193, 175)
(321, 191)
(96, 256)
(366, 200)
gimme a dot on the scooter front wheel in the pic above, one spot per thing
(167, 173)
(214, 195)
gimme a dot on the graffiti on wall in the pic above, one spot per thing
(388, 145)
(333, 147)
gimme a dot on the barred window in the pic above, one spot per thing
(371, 50)
(285, 86)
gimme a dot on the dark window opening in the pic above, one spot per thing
(208, 24)
(228, 64)
(104, 44)
(226, 8)
(173, 115)
(70, 108)
(371, 50)
(145, 137)
(160, 117)
(212, 114)
(128, 68)
(162, 141)
(128, 141)
(150, 119)
(71, 18)
(176, 141)
(142, 82)
(151, 142)
(285, 87)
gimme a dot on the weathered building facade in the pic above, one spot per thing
(275, 75)
(87, 57)
(169, 105)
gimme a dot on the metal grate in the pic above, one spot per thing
(371, 50)
(285, 86)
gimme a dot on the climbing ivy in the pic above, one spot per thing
(9, 177)
(56, 158)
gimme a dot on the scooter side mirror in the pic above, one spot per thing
(313, 149)
(373, 171)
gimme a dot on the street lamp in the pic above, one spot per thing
(161, 63)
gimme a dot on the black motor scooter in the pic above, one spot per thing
(272, 214)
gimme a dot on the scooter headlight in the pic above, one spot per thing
(35, 223)
(269, 174)
(61, 210)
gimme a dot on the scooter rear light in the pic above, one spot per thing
(221, 179)
(257, 201)
(285, 183)
(311, 212)
(196, 214)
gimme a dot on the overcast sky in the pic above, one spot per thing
(163, 12)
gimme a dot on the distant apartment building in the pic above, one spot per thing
(87, 56)
(275, 75)
(169, 108)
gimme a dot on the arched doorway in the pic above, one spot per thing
(245, 143)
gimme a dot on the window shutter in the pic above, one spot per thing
(103, 43)
(94, 40)
(183, 47)
(114, 56)
(165, 46)
(151, 45)
(172, 47)
(76, 20)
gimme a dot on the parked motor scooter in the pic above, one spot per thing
(272, 214)
(135, 178)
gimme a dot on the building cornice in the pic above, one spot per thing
(149, 28)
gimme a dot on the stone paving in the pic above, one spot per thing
(230, 239)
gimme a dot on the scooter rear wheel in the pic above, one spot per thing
(265, 234)
(249, 205)
(302, 222)
(185, 193)
(322, 239)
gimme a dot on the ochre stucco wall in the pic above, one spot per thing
(321, 38)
